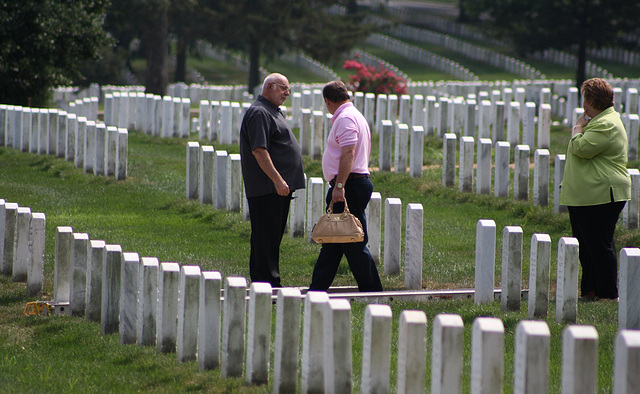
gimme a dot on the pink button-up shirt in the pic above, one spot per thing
(349, 127)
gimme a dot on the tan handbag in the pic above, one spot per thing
(338, 227)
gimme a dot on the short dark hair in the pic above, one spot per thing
(336, 92)
(598, 93)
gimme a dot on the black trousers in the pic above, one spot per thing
(594, 226)
(357, 193)
(268, 216)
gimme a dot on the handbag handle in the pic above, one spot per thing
(346, 208)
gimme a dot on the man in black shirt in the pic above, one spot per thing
(272, 171)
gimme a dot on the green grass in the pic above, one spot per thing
(148, 214)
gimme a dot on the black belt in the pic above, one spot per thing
(352, 175)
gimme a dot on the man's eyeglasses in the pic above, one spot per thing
(284, 87)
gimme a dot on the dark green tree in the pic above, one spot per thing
(327, 36)
(264, 29)
(570, 25)
(189, 21)
(43, 43)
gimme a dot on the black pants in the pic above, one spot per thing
(268, 216)
(357, 193)
(594, 226)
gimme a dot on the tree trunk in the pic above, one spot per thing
(156, 36)
(462, 14)
(352, 7)
(181, 60)
(582, 60)
(254, 65)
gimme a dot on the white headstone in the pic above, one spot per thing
(337, 343)
(567, 287)
(501, 187)
(485, 261)
(233, 327)
(35, 274)
(129, 297)
(626, 378)
(521, 173)
(374, 223)
(312, 378)
(392, 235)
(483, 167)
(220, 179)
(21, 256)
(449, 160)
(540, 255)
(386, 134)
(167, 314)
(487, 355)
(376, 349)
(541, 177)
(78, 288)
(209, 320)
(580, 360)
(147, 301)
(287, 341)
(188, 312)
(111, 275)
(412, 342)
(511, 268)
(258, 333)
(532, 348)
(446, 354)
(413, 247)
(628, 307)
(95, 261)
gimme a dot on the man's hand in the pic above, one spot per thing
(337, 195)
(282, 188)
(264, 161)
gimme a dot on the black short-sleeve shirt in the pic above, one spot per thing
(264, 126)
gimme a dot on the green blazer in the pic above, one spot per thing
(596, 163)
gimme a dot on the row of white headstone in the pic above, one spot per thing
(539, 267)
(501, 169)
(22, 243)
(467, 49)
(179, 309)
(421, 56)
(197, 92)
(93, 146)
(619, 55)
(416, 17)
(569, 60)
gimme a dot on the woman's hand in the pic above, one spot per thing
(582, 121)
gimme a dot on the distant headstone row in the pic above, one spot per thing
(93, 146)
(569, 60)
(421, 56)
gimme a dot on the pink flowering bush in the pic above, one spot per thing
(368, 79)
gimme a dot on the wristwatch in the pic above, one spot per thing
(339, 185)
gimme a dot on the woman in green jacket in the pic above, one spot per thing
(595, 188)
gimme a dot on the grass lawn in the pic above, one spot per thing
(148, 214)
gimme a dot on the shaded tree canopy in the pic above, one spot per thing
(261, 29)
(571, 25)
(43, 43)
(267, 28)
